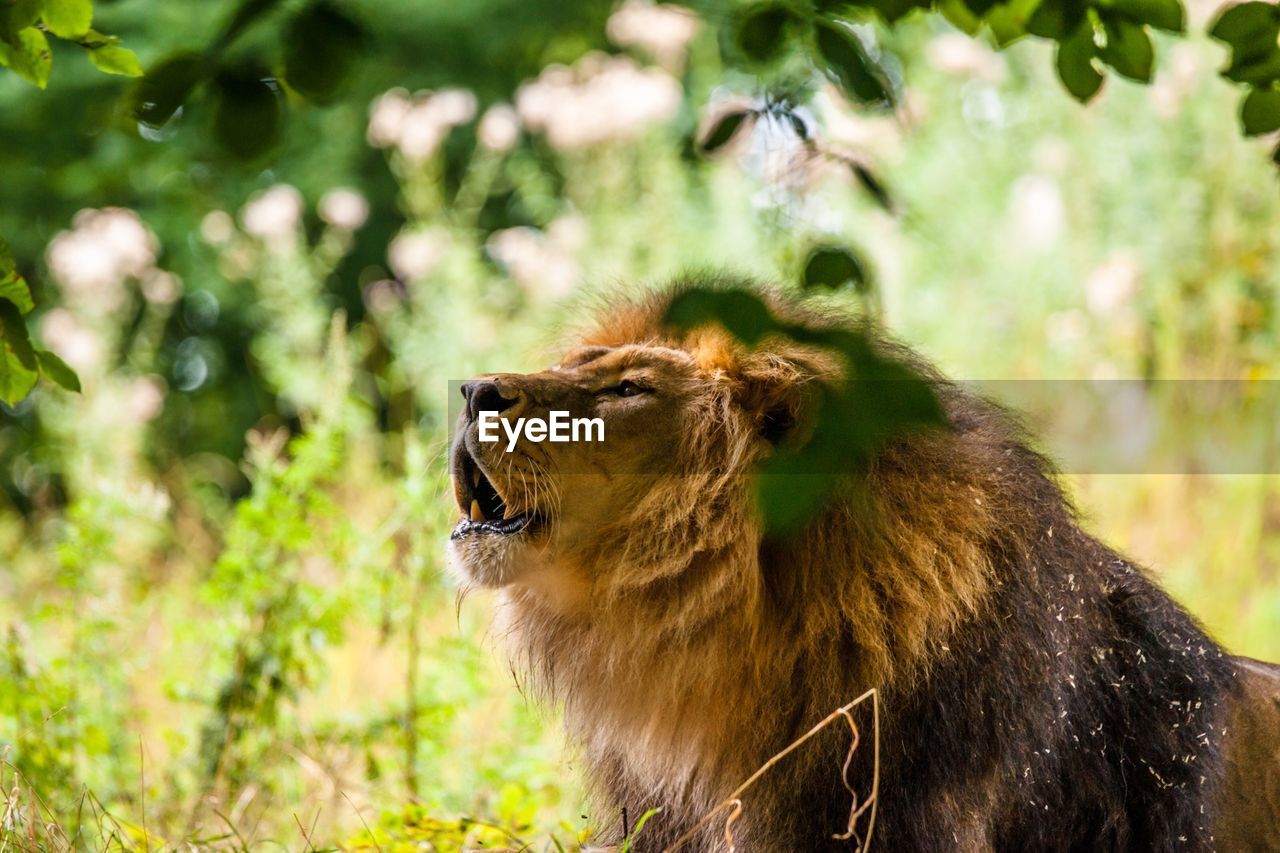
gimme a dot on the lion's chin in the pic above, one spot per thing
(489, 559)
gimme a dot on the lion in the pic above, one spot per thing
(1038, 691)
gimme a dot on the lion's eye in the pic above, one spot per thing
(626, 388)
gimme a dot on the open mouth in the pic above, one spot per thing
(483, 509)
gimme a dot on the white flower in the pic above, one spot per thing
(420, 135)
(81, 261)
(451, 107)
(73, 342)
(102, 249)
(664, 31)
(499, 128)
(344, 209)
(604, 98)
(383, 295)
(123, 231)
(417, 125)
(273, 216)
(145, 398)
(386, 118)
(161, 288)
(1037, 211)
(541, 264)
(568, 233)
(217, 227)
(415, 254)
(962, 56)
(1111, 287)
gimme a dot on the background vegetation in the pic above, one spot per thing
(225, 614)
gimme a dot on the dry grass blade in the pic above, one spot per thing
(734, 813)
(305, 835)
(734, 802)
(142, 786)
(27, 822)
(373, 838)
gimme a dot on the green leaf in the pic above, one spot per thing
(835, 267)
(246, 13)
(761, 32)
(724, 130)
(1251, 29)
(1008, 21)
(847, 62)
(894, 10)
(55, 369)
(247, 114)
(1260, 112)
(630, 839)
(979, 8)
(1248, 27)
(740, 312)
(873, 186)
(1258, 70)
(114, 59)
(321, 50)
(18, 368)
(884, 401)
(13, 287)
(1075, 64)
(68, 19)
(791, 489)
(1056, 20)
(1161, 14)
(1261, 72)
(959, 16)
(1128, 49)
(28, 56)
(165, 88)
(17, 15)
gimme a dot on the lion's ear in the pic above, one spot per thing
(779, 393)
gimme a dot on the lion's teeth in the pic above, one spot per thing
(475, 476)
(476, 513)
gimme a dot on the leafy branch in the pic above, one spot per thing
(25, 27)
(21, 362)
(1093, 38)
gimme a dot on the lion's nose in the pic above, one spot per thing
(484, 395)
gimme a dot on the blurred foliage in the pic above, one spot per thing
(222, 588)
(270, 52)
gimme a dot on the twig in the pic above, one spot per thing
(734, 802)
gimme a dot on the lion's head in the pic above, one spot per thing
(684, 416)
